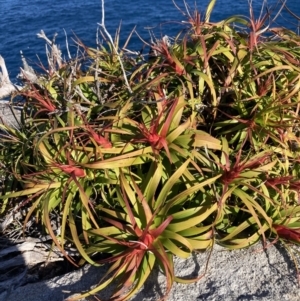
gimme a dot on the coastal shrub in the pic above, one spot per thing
(198, 145)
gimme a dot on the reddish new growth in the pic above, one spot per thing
(154, 136)
(128, 262)
(100, 138)
(256, 29)
(233, 172)
(162, 47)
(44, 103)
(70, 168)
(274, 182)
(287, 233)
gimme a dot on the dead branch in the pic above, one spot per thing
(6, 86)
(54, 55)
(102, 24)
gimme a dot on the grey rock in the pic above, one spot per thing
(249, 274)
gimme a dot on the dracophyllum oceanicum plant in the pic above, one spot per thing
(157, 157)
(142, 226)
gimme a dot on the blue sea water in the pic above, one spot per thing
(21, 20)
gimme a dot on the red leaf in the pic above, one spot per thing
(179, 70)
(100, 140)
(164, 144)
(169, 119)
(278, 181)
(153, 138)
(288, 233)
(159, 230)
(69, 169)
(148, 241)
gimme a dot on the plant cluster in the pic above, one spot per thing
(200, 145)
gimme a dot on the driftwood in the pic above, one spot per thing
(54, 57)
(27, 72)
(22, 262)
(6, 86)
(14, 215)
(19, 257)
(9, 114)
(28, 253)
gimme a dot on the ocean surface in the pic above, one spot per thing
(21, 20)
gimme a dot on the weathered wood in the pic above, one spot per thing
(28, 253)
(25, 260)
(27, 72)
(6, 90)
(26, 246)
(6, 86)
(9, 115)
(10, 218)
